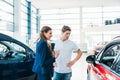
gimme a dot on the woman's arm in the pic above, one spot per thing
(43, 53)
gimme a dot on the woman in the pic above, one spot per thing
(44, 59)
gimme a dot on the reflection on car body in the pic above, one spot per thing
(16, 59)
(106, 64)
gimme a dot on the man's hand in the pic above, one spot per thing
(70, 64)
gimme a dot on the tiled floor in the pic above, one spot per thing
(79, 70)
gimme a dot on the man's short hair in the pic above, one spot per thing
(66, 28)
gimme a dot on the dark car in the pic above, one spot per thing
(16, 59)
(106, 64)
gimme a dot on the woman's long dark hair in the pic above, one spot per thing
(42, 36)
(44, 29)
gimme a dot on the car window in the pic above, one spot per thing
(11, 51)
(110, 55)
(2, 47)
(117, 66)
(16, 46)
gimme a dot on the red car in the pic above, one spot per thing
(106, 64)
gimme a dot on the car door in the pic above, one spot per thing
(116, 67)
(95, 70)
(103, 70)
(109, 60)
(14, 62)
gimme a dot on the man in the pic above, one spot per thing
(65, 48)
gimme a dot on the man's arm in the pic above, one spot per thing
(79, 54)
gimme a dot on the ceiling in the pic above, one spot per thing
(53, 4)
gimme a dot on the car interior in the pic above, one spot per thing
(111, 55)
(117, 68)
(8, 52)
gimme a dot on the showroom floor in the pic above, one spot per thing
(79, 69)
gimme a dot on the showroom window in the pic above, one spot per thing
(35, 28)
(97, 16)
(56, 18)
(92, 17)
(111, 14)
(6, 17)
(29, 20)
(24, 19)
(100, 17)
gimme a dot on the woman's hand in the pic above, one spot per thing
(55, 64)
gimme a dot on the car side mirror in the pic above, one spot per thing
(91, 59)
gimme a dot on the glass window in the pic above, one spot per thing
(6, 17)
(110, 55)
(56, 18)
(34, 19)
(24, 16)
(24, 19)
(46, 17)
(69, 21)
(9, 1)
(24, 3)
(92, 16)
(50, 11)
(70, 11)
(116, 68)
(24, 23)
(6, 7)
(15, 46)
(69, 16)
(34, 15)
(11, 51)
(92, 22)
(2, 48)
(111, 9)
(24, 9)
(33, 9)
(24, 30)
(91, 9)
(111, 13)
(50, 22)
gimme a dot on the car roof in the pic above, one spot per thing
(117, 37)
(112, 42)
(4, 37)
